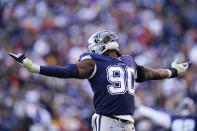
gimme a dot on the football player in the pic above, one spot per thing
(111, 76)
(184, 120)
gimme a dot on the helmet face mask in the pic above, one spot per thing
(102, 41)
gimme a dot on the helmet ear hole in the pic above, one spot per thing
(93, 51)
(96, 40)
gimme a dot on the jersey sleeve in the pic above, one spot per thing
(85, 56)
(68, 71)
(129, 60)
(93, 56)
(139, 70)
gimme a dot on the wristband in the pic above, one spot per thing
(173, 73)
(140, 74)
(169, 73)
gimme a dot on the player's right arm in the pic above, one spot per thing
(80, 70)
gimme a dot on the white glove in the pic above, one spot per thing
(27, 63)
(180, 68)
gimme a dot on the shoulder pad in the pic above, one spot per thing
(128, 60)
(85, 56)
(94, 56)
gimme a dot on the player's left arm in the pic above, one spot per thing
(146, 73)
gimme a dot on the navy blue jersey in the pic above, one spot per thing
(179, 123)
(112, 83)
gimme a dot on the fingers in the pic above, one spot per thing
(187, 65)
(180, 67)
(174, 63)
(21, 58)
(175, 60)
(14, 56)
(18, 57)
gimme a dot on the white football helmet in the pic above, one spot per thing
(102, 41)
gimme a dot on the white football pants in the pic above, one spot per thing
(103, 123)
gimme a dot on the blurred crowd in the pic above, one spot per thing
(55, 32)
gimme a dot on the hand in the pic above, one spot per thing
(180, 68)
(27, 63)
(18, 57)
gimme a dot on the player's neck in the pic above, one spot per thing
(111, 53)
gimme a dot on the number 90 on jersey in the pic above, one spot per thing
(122, 80)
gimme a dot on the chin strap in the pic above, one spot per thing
(111, 46)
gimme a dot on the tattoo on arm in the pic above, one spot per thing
(155, 74)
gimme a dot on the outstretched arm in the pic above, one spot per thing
(158, 117)
(80, 70)
(146, 73)
(155, 74)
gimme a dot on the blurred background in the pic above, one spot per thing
(55, 32)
